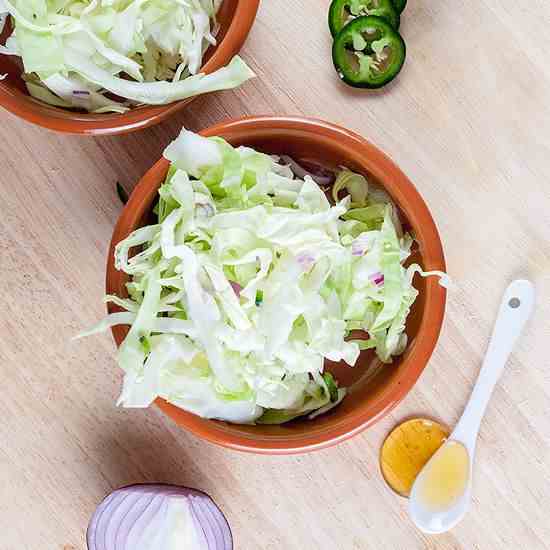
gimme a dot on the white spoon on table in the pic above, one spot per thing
(441, 493)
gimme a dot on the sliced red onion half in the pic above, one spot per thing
(163, 517)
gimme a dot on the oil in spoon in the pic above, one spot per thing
(446, 477)
(406, 451)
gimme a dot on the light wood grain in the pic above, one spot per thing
(468, 120)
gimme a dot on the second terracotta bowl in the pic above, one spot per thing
(374, 389)
(235, 18)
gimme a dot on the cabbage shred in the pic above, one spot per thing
(109, 55)
(250, 280)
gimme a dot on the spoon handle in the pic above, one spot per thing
(515, 309)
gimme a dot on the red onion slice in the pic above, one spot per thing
(320, 174)
(306, 261)
(129, 514)
(377, 278)
(236, 288)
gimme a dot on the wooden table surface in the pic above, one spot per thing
(468, 120)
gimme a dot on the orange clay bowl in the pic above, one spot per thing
(235, 17)
(374, 389)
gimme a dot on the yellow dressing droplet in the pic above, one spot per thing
(407, 449)
(446, 477)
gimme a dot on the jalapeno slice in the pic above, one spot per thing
(368, 52)
(399, 5)
(342, 12)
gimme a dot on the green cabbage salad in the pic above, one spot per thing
(109, 55)
(251, 279)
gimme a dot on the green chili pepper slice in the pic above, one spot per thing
(342, 12)
(368, 52)
(399, 5)
(332, 386)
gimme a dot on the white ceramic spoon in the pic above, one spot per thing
(515, 310)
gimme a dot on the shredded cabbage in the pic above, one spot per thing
(109, 55)
(250, 280)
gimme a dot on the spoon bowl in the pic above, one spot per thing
(433, 519)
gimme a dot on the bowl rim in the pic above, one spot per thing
(24, 107)
(402, 189)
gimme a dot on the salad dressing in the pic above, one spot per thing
(446, 477)
(406, 451)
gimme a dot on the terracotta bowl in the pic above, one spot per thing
(235, 17)
(374, 388)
